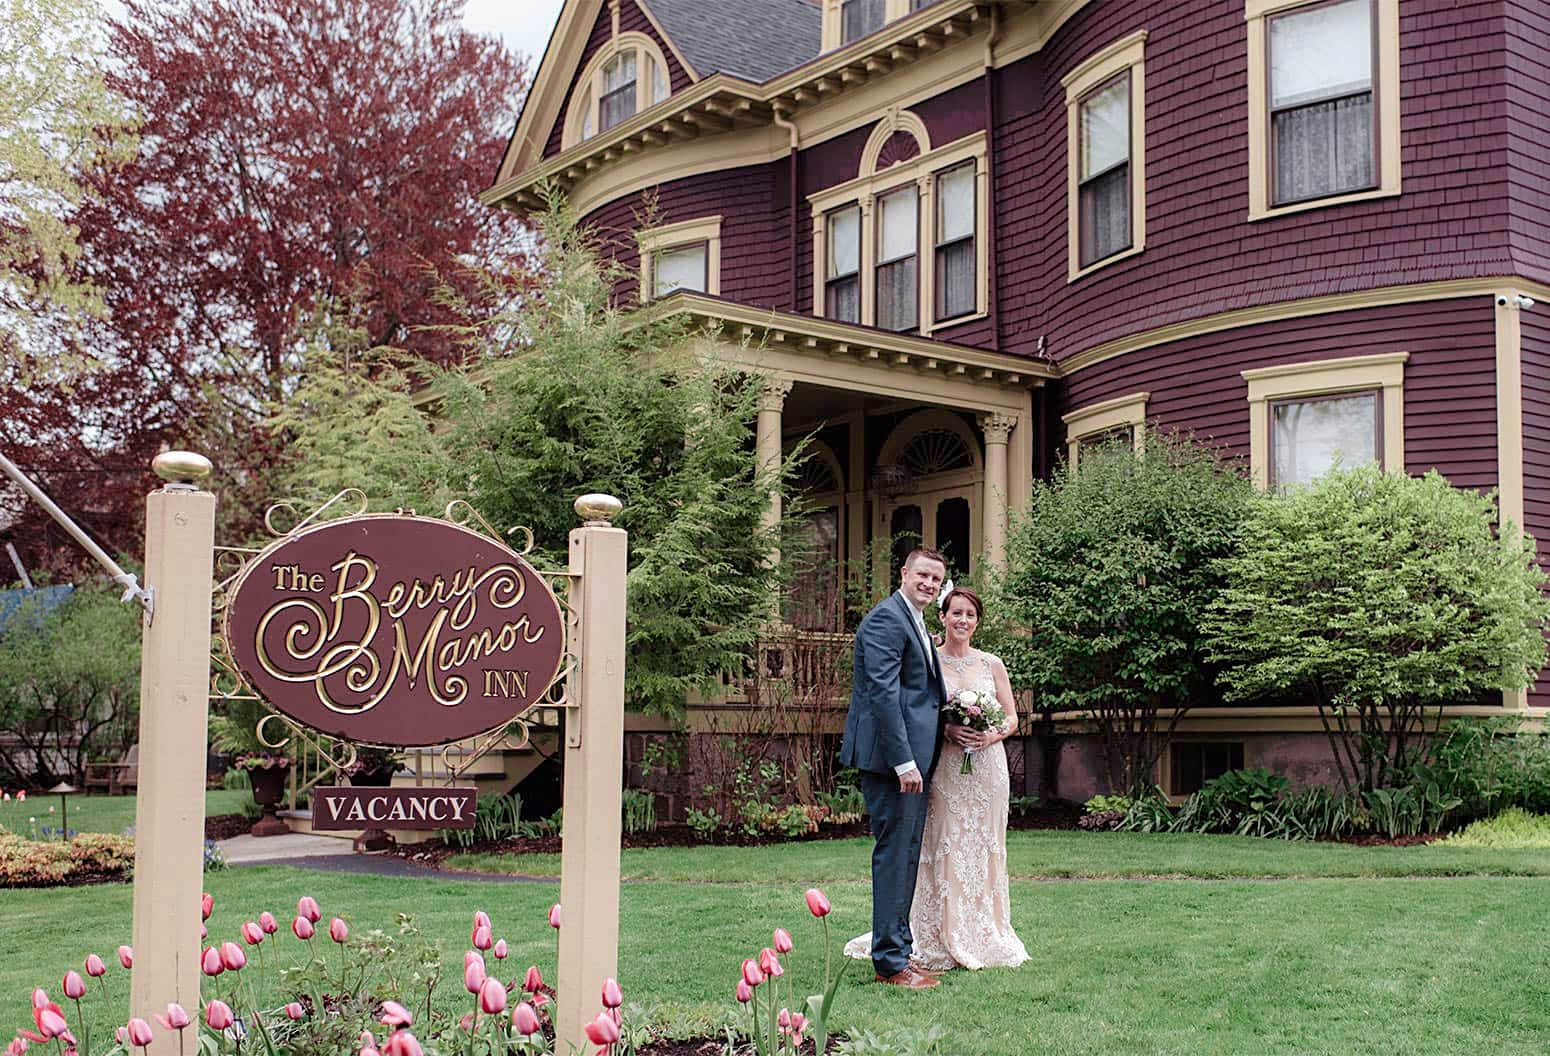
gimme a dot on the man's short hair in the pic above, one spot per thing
(922, 553)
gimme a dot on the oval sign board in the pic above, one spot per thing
(396, 631)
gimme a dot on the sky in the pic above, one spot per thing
(525, 25)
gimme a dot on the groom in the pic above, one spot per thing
(892, 735)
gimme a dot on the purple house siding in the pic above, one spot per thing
(751, 202)
(631, 18)
(1450, 401)
(1202, 256)
(1536, 452)
(1528, 134)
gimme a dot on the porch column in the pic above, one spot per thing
(998, 429)
(767, 439)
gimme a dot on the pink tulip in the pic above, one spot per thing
(204, 933)
(21, 796)
(302, 928)
(268, 923)
(307, 906)
(602, 1030)
(51, 1021)
(817, 902)
(126, 956)
(338, 930)
(612, 996)
(473, 975)
(467, 1022)
(783, 941)
(232, 957)
(294, 1010)
(470, 956)
(482, 937)
(18, 1047)
(744, 991)
(525, 1019)
(395, 1014)
(94, 966)
(39, 999)
(783, 1021)
(75, 986)
(752, 975)
(481, 920)
(402, 1043)
(367, 1039)
(139, 1032)
(534, 980)
(252, 934)
(769, 962)
(210, 962)
(554, 915)
(369, 1050)
(218, 1015)
(206, 905)
(798, 1024)
(500, 949)
(175, 1019)
(492, 997)
(121, 1035)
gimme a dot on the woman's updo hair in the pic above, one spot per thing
(967, 595)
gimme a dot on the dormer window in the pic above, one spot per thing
(625, 77)
(858, 18)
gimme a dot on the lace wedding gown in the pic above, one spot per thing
(962, 914)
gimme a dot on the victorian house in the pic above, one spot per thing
(967, 237)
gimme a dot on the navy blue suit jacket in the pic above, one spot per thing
(895, 698)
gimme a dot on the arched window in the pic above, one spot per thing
(627, 75)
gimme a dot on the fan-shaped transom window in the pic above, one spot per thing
(815, 476)
(936, 450)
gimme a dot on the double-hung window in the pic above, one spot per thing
(619, 92)
(956, 210)
(898, 246)
(625, 77)
(1106, 156)
(1323, 102)
(858, 18)
(842, 279)
(681, 256)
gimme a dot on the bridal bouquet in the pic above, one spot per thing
(978, 711)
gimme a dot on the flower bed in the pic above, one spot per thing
(92, 857)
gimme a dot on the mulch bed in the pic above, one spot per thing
(1397, 841)
(225, 826)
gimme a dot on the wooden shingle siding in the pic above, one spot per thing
(631, 18)
(1528, 144)
(1536, 450)
(1450, 401)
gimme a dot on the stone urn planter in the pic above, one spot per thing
(269, 781)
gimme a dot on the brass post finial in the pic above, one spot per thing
(181, 467)
(597, 510)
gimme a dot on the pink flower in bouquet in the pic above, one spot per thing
(75, 986)
(395, 1014)
(175, 1018)
(252, 934)
(500, 949)
(554, 916)
(94, 966)
(602, 1030)
(307, 906)
(492, 996)
(218, 1015)
(210, 962)
(302, 927)
(752, 974)
(338, 930)
(783, 941)
(817, 902)
(126, 956)
(534, 980)
(139, 1032)
(206, 905)
(294, 1010)
(612, 996)
(232, 957)
(267, 922)
(524, 1019)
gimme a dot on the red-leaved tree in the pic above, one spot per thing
(304, 169)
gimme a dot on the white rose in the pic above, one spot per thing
(968, 697)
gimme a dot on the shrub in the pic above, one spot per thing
(1104, 812)
(1377, 596)
(1112, 569)
(1512, 828)
(640, 811)
(48, 863)
(496, 818)
(1490, 765)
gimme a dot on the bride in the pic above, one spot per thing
(962, 914)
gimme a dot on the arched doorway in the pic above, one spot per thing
(932, 475)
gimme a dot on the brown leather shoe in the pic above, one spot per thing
(909, 979)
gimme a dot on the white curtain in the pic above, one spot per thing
(898, 228)
(680, 269)
(955, 239)
(1310, 436)
(1321, 53)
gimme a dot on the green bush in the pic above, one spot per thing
(1513, 828)
(236, 779)
(1490, 765)
(495, 818)
(640, 811)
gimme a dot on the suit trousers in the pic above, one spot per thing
(898, 819)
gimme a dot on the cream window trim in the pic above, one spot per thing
(1385, 83)
(1127, 53)
(1327, 377)
(922, 170)
(833, 24)
(1098, 418)
(589, 84)
(706, 229)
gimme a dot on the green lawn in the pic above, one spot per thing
(102, 813)
(1047, 854)
(1332, 964)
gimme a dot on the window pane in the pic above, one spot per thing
(843, 300)
(1103, 211)
(860, 17)
(1320, 53)
(619, 71)
(916, 5)
(659, 87)
(1324, 149)
(897, 295)
(898, 224)
(955, 204)
(680, 268)
(844, 234)
(1308, 436)
(955, 279)
(1105, 131)
(619, 85)
(586, 116)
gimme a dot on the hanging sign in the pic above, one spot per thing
(337, 809)
(391, 630)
